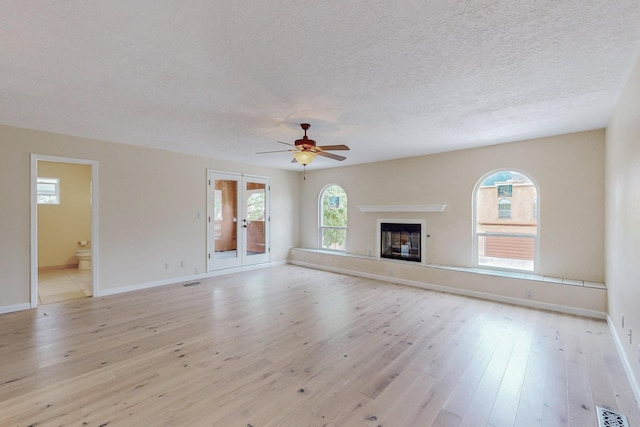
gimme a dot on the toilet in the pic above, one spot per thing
(84, 256)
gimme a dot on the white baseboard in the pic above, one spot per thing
(181, 279)
(464, 292)
(625, 361)
(15, 307)
(147, 285)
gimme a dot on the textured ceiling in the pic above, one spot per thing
(389, 78)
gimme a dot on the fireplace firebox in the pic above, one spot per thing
(401, 241)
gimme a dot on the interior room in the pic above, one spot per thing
(298, 214)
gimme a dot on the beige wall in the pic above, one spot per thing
(148, 206)
(570, 222)
(61, 226)
(623, 220)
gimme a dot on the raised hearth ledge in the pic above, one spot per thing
(477, 270)
(403, 208)
(581, 298)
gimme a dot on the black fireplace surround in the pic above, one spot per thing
(400, 241)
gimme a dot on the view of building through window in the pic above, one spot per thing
(333, 218)
(506, 221)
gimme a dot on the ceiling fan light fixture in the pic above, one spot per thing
(304, 157)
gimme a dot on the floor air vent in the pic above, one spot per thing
(191, 284)
(609, 418)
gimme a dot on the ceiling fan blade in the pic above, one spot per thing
(333, 147)
(330, 155)
(276, 151)
(286, 143)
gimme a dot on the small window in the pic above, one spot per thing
(48, 191)
(505, 190)
(255, 205)
(217, 205)
(504, 208)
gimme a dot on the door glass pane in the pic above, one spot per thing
(255, 207)
(225, 217)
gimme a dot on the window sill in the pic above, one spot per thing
(403, 208)
(522, 275)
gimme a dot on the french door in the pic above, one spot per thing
(237, 220)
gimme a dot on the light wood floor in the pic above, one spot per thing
(287, 346)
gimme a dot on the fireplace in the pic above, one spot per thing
(402, 240)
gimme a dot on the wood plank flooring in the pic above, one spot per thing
(289, 346)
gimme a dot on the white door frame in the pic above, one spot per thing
(34, 219)
(241, 258)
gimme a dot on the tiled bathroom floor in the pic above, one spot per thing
(61, 285)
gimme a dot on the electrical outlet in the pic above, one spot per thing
(183, 264)
(529, 293)
(167, 265)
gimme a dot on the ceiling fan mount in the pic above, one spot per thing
(305, 142)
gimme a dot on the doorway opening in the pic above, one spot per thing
(63, 229)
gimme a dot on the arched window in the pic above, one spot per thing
(506, 221)
(333, 218)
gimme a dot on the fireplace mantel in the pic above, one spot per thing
(403, 208)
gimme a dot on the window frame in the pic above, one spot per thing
(322, 227)
(476, 234)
